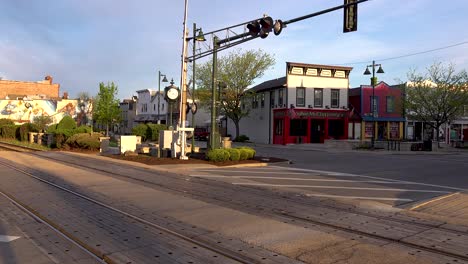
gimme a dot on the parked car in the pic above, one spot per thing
(201, 133)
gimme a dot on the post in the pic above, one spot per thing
(213, 95)
(183, 87)
(159, 94)
(372, 105)
(170, 116)
(193, 84)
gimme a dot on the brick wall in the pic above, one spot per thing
(45, 87)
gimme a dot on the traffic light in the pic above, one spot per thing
(350, 16)
(263, 26)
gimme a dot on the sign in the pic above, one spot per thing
(369, 130)
(306, 114)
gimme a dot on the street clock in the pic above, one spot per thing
(172, 93)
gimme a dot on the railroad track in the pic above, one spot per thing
(222, 255)
(298, 219)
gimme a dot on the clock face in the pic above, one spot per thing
(173, 93)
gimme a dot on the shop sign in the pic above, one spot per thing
(305, 114)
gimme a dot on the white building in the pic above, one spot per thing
(308, 105)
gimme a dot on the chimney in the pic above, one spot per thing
(49, 78)
(65, 95)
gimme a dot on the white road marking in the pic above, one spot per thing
(7, 239)
(371, 177)
(255, 172)
(358, 197)
(284, 178)
(338, 187)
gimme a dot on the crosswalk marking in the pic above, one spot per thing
(359, 197)
(337, 187)
(6, 239)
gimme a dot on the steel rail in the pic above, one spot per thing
(41, 219)
(222, 251)
(321, 223)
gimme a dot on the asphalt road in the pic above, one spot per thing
(396, 179)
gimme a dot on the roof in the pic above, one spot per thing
(331, 67)
(268, 85)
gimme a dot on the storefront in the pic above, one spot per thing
(297, 126)
(383, 129)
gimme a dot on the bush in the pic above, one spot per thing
(234, 154)
(244, 154)
(8, 131)
(218, 155)
(82, 129)
(140, 130)
(83, 141)
(241, 138)
(52, 128)
(153, 131)
(6, 122)
(24, 129)
(42, 122)
(67, 122)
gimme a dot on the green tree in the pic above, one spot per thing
(438, 97)
(106, 107)
(42, 122)
(236, 71)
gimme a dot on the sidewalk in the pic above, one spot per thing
(444, 150)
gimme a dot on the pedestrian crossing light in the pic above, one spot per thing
(350, 16)
(262, 27)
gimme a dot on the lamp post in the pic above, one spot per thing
(159, 92)
(199, 37)
(373, 103)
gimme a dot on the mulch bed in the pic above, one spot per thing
(199, 158)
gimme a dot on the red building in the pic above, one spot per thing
(307, 105)
(387, 121)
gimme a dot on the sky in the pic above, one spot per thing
(84, 42)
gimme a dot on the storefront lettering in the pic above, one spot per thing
(300, 114)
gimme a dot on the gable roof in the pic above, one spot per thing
(269, 85)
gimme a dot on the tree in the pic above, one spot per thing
(438, 97)
(236, 72)
(106, 110)
(42, 122)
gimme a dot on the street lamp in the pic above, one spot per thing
(159, 92)
(199, 37)
(373, 103)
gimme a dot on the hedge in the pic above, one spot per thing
(83, 141)
(67, 122)
(234, 154)
(24, 130)
(8, 131)
(218, 155)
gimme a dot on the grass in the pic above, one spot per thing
(25, 144)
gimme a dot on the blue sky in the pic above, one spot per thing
(84, 42)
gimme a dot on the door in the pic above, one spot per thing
(317, 128)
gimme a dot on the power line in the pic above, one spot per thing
(410, 54)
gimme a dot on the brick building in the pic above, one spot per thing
(10, 89)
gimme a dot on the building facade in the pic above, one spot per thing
(308, 105)
(10, 89)
(387, 122)
(22, 101)
(129, 112)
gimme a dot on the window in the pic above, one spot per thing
(300, 96)
(254, 101)
(374, 104)
(130, 106)
(154, 107)
(298, 127)
(272, 99)
(318, 97)
(262, 100)
(390, 104)
(335, 98)
(280, 97)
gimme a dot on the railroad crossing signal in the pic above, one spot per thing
(350, 16)
(262, 27)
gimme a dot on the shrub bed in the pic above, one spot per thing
(83, 141)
